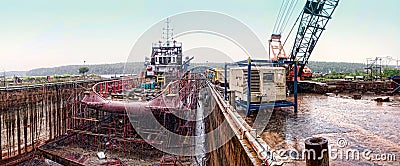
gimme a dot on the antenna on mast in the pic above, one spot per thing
(168, 34)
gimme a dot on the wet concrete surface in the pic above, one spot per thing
(364, 126)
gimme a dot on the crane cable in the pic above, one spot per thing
(285, 16)
(293, 5)
(295, 23)
(279, 17)
(285, 12)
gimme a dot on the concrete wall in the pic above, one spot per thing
(233, 153)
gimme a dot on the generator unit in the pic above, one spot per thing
(268, 84)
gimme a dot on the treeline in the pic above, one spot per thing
(102, 69)
(136, 67)
(338, 67)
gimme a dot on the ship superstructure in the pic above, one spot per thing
(166, 59)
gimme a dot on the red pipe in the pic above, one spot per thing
(95, 101)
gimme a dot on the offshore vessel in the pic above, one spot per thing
(162, 70)
(166, 62)
(163, 100)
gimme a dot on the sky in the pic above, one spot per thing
(47, 33)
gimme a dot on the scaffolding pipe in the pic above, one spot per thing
(248, 86)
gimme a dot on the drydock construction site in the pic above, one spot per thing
(48, 125)
(265, 110)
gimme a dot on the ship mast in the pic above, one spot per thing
(167, 34)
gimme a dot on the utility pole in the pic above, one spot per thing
(84, 76)
(4, 78)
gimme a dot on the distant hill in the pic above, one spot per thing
(115, 68)
(14, 73)
(136, 67)
(339, 67)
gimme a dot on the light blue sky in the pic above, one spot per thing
(46, 33)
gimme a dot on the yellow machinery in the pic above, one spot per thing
(216, 74)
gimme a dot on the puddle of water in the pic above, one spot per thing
(200, 130)
(363, 124)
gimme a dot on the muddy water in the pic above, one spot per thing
(364, 126)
